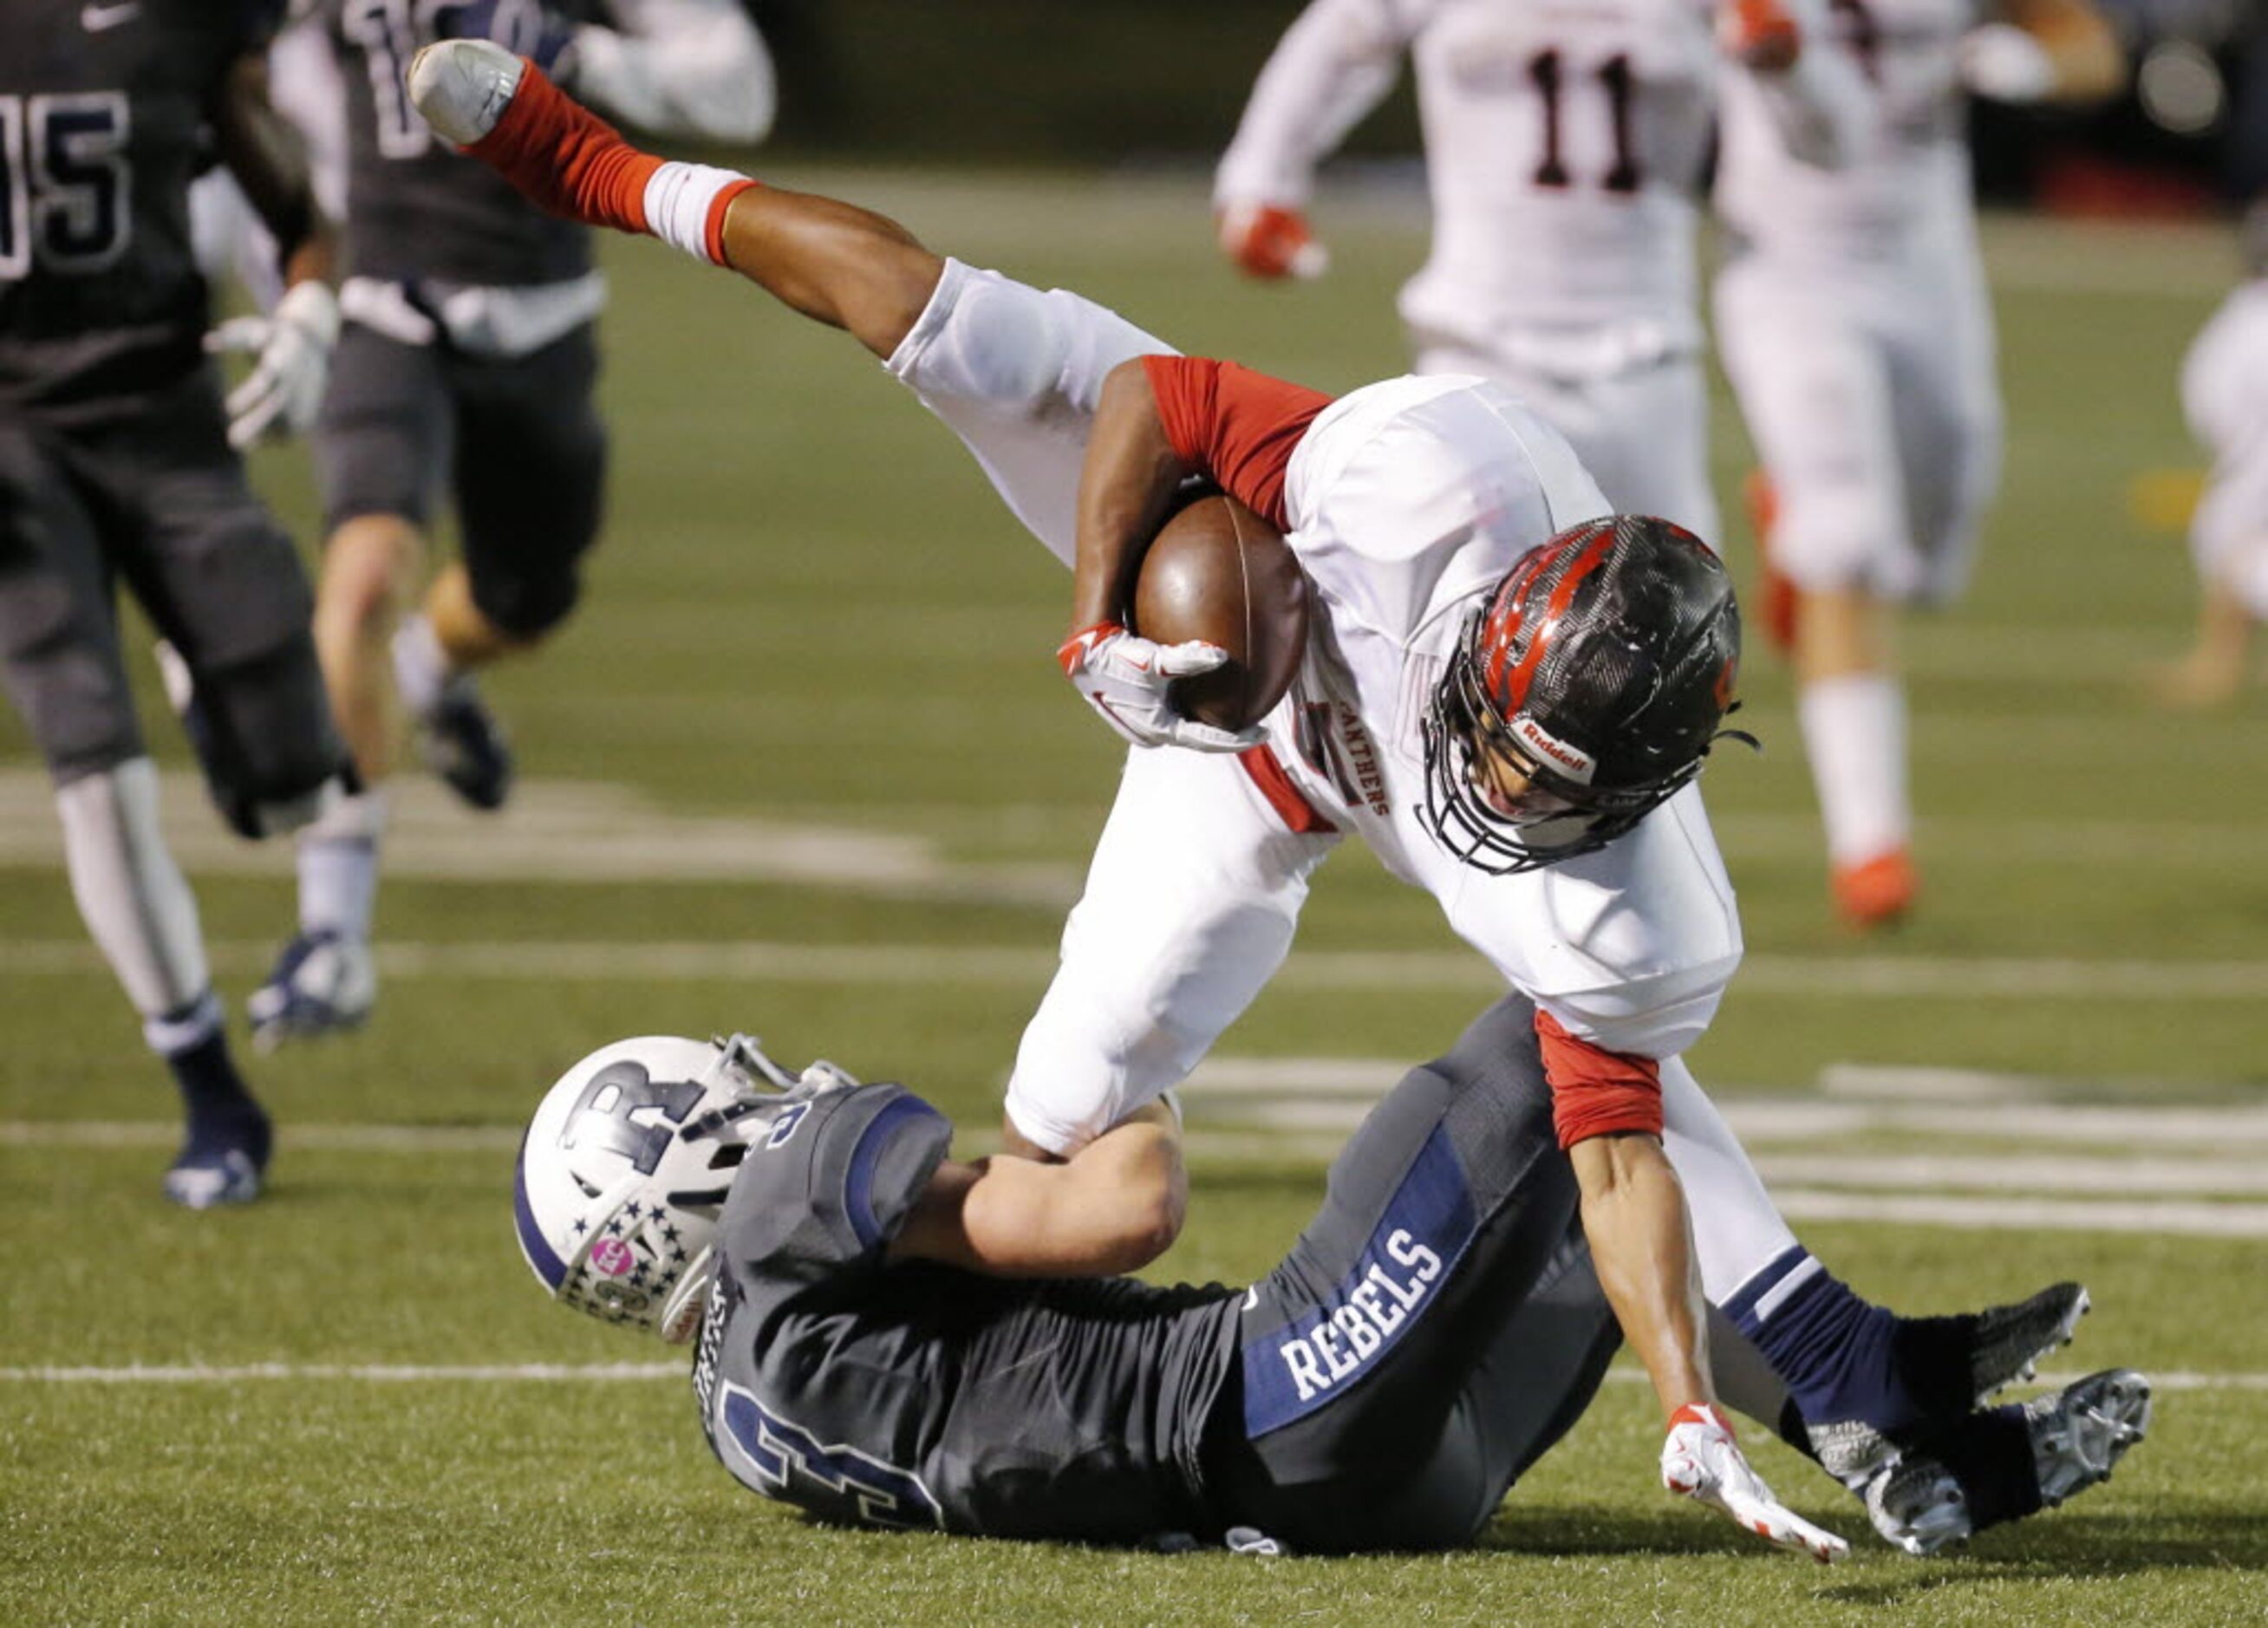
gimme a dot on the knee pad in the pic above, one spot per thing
(272, 757)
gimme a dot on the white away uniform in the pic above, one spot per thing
(2225, 393)
(1564, 140)
(1853, 319)
(1408, 500)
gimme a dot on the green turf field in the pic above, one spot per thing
(803, 765)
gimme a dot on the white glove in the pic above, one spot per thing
(2001, 62)
(1702, 1461)
(1124, 678)
(293, 344)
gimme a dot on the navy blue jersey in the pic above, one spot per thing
(906, 1394)
(105, 117)
(416, 209)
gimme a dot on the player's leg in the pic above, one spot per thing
(830, 261)
(530, 477)
(1946, 404)
(1013, 372)
(1814, 388)
(64, 674)
(384, 434)
(1862, 1379)
(1189, 905)
(1435, 1326)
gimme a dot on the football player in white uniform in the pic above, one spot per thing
(2225, 393)
(1854, 324)
(1506, 692)
(1564, 143)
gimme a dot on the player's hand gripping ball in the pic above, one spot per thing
(1220, 626)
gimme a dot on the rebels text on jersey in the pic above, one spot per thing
(103, 121)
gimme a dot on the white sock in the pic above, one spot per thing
(421, 667)
(679, 200)
(133, 898)
(337, 859)
(1854, 729)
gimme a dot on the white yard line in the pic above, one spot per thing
(1879, 978)
(158, 1374)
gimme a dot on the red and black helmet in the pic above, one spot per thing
(1600, 669)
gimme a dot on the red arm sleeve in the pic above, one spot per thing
(1596, 1092)
(1236, 425)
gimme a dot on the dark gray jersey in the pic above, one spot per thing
(910, 1394)
(415, 208)
(104, 118)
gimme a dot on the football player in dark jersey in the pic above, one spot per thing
(467, 361)
(116, 465)
(1435, 1328)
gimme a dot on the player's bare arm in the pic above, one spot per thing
(1634, 1215)
(1124, 486)
(1113, 1206)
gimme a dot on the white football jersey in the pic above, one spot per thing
(1409, 501)
(1565, 140)
(1911, 168)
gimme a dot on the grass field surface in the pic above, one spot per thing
(803, 765)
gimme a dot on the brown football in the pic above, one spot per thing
(1218, 571)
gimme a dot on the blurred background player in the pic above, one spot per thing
(2225, 393)
(468, 355)
(1854, 323)
(116, 465)
(1564, 145)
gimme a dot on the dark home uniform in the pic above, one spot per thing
(468, 347)
(114, 462)
(1433, 1330)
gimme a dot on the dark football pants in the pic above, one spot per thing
(156, 499)
(517, 438)
(1433, 1330)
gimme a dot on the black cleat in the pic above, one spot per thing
(460, 740)
(1950, 1364)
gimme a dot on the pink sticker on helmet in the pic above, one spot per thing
(613, 1258)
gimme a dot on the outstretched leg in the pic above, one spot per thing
(832, 261)
(1015, 372)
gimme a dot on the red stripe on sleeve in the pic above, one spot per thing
(1291, 805)
(1238, 426)
(1596, 1092)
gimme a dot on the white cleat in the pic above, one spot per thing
(462, 86)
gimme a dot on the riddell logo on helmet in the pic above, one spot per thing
(1576, 764)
